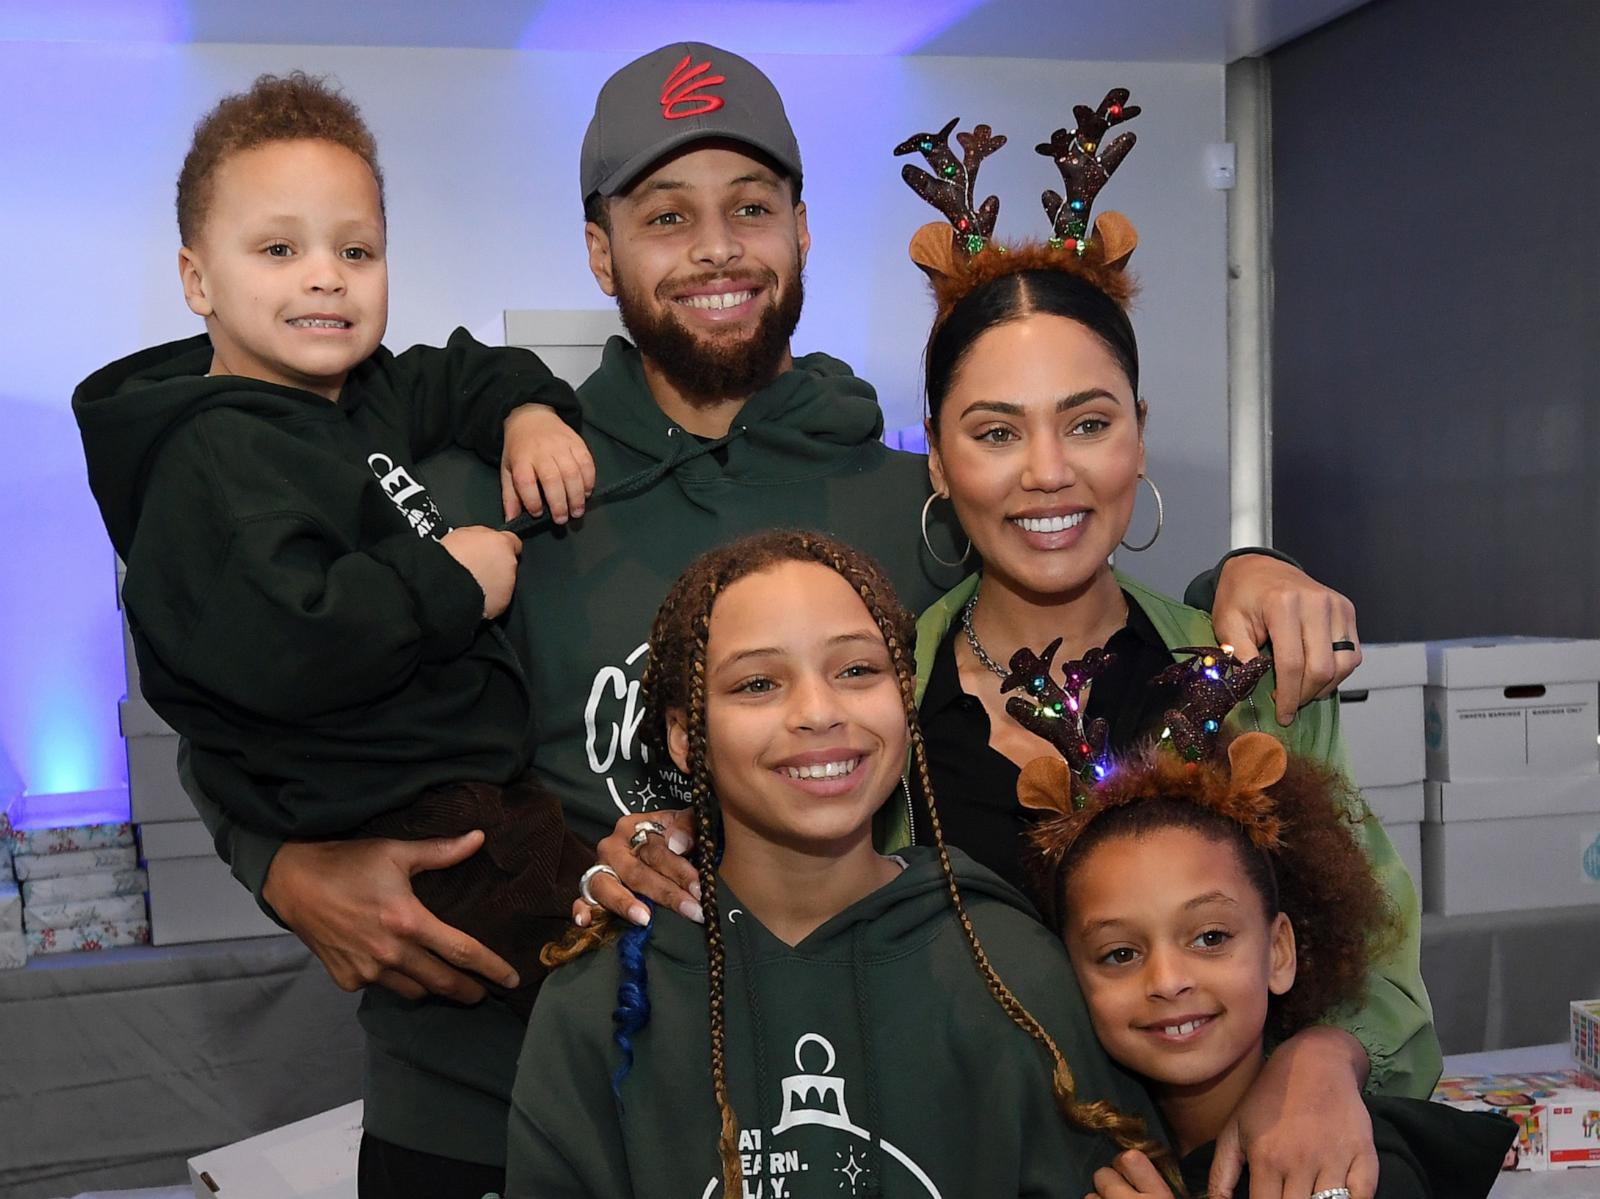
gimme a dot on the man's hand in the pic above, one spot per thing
(543, 455)
(1262, 599)
(1302, 1125)
(658, 871)
(1131, 1176)
(490, 557)
(351, 903)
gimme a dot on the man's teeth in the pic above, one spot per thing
(822, 770)
(1184, 1029)
(722, 299)
(1050, 524)
(306, 322)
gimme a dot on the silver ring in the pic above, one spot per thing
(1332, 1193)
(599, 868)
(642, 832)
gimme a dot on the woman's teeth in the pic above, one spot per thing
(1050, 524)
(822, 770)
(725, 299)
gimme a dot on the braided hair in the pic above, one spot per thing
(675, 682)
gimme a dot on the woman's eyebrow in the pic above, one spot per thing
(1064, 404)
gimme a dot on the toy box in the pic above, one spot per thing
(1557, 1114)
(1586, 1036)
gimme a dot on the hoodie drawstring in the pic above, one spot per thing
(523, 525)
(858, 973)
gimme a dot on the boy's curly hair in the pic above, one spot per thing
(1313, 869)
(293, 107)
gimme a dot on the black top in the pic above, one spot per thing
(977, 785)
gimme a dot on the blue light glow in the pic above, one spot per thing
(94, 21)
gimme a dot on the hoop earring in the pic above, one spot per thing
(932, 553)
(1161, 515)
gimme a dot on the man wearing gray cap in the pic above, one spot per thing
(704, 428)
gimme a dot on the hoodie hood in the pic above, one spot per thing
(804, 422)
(127, 409)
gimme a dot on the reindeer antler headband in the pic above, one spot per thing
(960, 253)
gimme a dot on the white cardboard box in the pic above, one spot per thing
(154, 790)
(1380, 714)
(1512, 706)
(193, 897)
(1511, 844)
(139, 719)
(313, 1158)
(1405, 803)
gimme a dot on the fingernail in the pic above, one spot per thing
(581, 920)
(678, 843)
(511, 981)
(577, 512)
(692, 911)
(694, 888)
(639, 914)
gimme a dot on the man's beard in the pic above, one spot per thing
(707, 371)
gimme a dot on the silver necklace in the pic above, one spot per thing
(977, 646)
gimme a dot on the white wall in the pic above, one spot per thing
(480, 150)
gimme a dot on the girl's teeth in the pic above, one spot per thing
(726, 299)
(309, 323)
(1050, 524)
(822, 770)
(1182, 1030)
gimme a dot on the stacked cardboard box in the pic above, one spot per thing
(1380, 714)
(1557, 1114)
(1513, 794)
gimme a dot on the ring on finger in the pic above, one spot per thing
(587, 877)
(1344, 646)
(642, 832)
(1332, 1193)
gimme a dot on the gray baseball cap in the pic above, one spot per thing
(682, 93)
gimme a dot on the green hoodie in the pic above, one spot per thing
(869, 1059)
(1395, 1022)
(293, 613)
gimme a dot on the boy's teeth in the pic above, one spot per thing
(306, 322)
(822, 770)
(1050, 524)
(725, 299)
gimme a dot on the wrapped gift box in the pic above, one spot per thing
(84, 861)
(71, 839)
(1586, 1036)
(132, 881)
(87, 937)
(111, 909)
(1518, 706)
(1557, 1114)
(10, 908)
(1380, 715)
(13, 949)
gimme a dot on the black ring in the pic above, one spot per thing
(1340, 647)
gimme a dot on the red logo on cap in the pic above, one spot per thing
(679, 89)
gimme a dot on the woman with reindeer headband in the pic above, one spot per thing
(1215, 905)
(1036, 438)
(892, 1025)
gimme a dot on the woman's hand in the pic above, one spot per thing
(1262, 599)
(1131, 1176)
(544, 461)
(1302, 1125)
(657, 871)
(351, 903)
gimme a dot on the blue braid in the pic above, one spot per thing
(633, 1000)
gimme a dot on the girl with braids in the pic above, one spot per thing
(878, 1025)
(1210, 911)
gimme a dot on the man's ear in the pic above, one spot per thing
(802, 231)
(678, 740)
(1281, 971)
(191, 273)
(599, 242)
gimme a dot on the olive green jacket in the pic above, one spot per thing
(1395, 1021)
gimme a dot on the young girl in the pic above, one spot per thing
(860, 1037)
(1211, 910)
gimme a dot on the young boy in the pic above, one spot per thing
(301, 611)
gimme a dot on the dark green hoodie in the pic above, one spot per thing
(293, 613)
(870, 1059)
